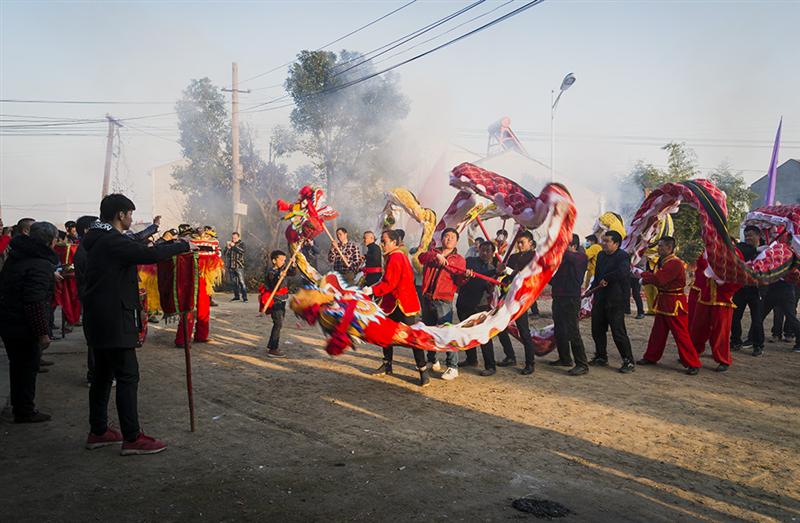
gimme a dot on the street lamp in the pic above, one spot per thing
(566, 83)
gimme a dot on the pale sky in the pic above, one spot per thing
(717, 75)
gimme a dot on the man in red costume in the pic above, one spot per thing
(670, 309)
(712, 314)
(398, 299)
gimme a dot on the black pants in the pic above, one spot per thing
(277, 315)
(534, 310)
(748, 297)
(23, 365)
(487, 349)
(567, 332)
(787, 331)
(636, 291)
(527, 343)
(122, 365)
(89, 364)
(388, 352)
(603, 317)
(89, 358)
(780, 301)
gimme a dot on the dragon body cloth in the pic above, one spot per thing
(346, 314)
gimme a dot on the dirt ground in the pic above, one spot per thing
(311, 438)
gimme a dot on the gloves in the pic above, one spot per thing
(367, 291)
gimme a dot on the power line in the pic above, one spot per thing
(662, 139)
(351, 83)
(404, 51)
(85, 102)
(405, 39)
(151, 134)
(351, 33)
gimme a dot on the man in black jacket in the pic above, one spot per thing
(612, 283)
(82, 225)
(749, 296)
(373, 260)
(112, 319)
(26, 292)
(473, 297)
(516, 262)
(566, 284)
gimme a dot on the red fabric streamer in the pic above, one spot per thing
(340, 340)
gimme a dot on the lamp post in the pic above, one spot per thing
(566, 83)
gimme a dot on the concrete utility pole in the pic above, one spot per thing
(112, 125)
(238, 209)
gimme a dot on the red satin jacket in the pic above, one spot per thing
(397, 285)
(441, 282)
(670, 280)
(709, 292)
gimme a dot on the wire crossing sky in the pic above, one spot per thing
(718, 75)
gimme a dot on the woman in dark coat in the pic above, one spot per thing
(26, 289)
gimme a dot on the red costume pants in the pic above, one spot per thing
(202, 314)
(712, 324)
(679, 327)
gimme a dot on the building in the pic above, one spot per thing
(787, 186)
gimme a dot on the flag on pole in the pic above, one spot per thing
(772, 173)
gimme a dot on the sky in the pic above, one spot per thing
(717, 75)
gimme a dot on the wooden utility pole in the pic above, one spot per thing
(112, 125)
(237, 167)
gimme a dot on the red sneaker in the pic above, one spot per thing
(110, 437)
(143, 445)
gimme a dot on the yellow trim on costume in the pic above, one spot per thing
(678, 305)
(713, 301)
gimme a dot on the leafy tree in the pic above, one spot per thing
(204, 139)
(338, 125)
(682, 165)
(740, 197)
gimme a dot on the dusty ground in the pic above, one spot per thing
(311, 438)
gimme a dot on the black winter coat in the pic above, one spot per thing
(568, 278)
(79, 261)
(112, 312)
(616, 270)
(27, 286)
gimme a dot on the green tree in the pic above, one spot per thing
(205, 140)
(204, 136)
(682, 165)
(740, 197)
(339, 125)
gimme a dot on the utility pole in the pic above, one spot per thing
(112, 125)
(238, 210)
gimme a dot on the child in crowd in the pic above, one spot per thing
(277, 308)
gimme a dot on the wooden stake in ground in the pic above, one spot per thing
(284, 272)
(187, 353)
(335, 245)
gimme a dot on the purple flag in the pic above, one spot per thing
(772, 174)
